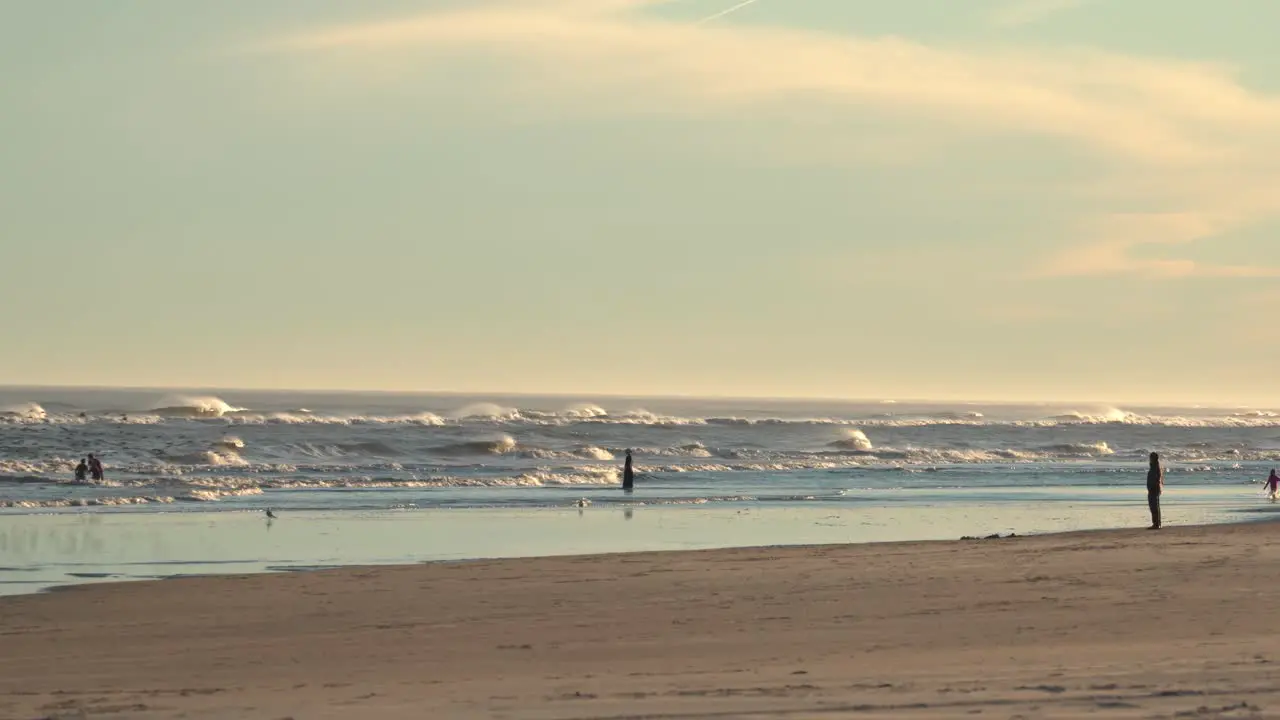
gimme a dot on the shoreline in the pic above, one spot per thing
(1128, 622)
(71, 548)
(623, 555)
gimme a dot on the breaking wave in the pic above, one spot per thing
(1108, 415)
(499, 446)
(86, 502)
(585, 453)
(194, 495)
(207, 457)
(26, 411)
(178, 409)
(1096, 449)
(586, 476)
(199, 449)
(183, 406)
(306, 417)
(214, 495)
(854, 440)
(585, 411)
(693, 449)
(231, 443)
(487, 411)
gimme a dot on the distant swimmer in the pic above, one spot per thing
(270, 515)
(1273, 486)
(1155, 487)
(628, 473)
(95, 468)
(82, 470)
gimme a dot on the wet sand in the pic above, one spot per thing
(57, 549)
(1114, 624)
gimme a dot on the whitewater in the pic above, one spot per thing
(167, 451)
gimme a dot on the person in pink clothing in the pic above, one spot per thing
(1273, 485)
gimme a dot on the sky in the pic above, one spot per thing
(977, 199)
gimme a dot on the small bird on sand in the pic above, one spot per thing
(270, 515)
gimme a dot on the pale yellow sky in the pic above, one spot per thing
(1001, 200)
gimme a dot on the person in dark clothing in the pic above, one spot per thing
(82, 470)
(95, 468)
(628, 474)
(1155, 486)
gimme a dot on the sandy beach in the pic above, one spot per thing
(1116, 624)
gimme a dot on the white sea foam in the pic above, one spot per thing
(193, 407)
(644, 417)
(585, 410)
(488, 411)
(212, 458)
(1106, 415)
(693, 449)
(585, 476)
(1115, 417)
(86, 502)
(422, 418)
(184, 409)
(28, 411)
(1256, 414)
(1087, 449)
(585, 453)
(210, 495)
(500, 445)
(594, 453)
(197, 453)
(854, 440)
(37, 467)
(542, 477)
(231, 443)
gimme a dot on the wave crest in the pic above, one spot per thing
(500, 446)
(26, 411)
(854, 440)
(212, 458)
(194, 407)
(485, 411)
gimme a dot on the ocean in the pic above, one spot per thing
(330, 451)
(498, 471)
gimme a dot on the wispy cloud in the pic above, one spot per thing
(1167, 133)
(1119, 238)
(1160, 111)
(727, 11)
(1021, 13)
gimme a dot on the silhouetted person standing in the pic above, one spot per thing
(628, 473)
(82, 470)
(95, 468)
(1155, 486)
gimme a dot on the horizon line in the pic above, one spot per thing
(581, 395)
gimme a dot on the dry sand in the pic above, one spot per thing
(1112, 624)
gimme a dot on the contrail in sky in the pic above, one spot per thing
(722, 13)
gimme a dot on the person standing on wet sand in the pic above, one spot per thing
(628, 474)
(1155, 486)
